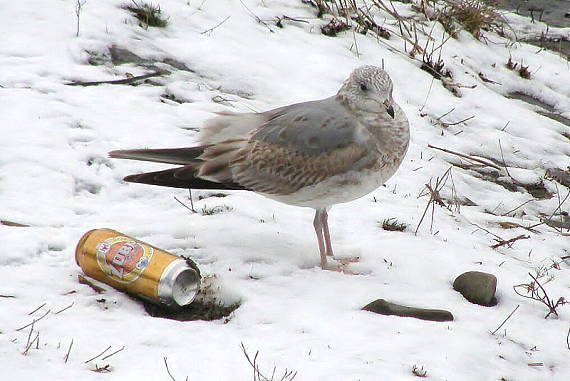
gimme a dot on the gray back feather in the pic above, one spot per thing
(310, 128)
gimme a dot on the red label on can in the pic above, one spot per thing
(123, 259)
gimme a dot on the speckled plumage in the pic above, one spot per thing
(314, 154)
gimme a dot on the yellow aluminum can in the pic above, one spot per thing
(137, 267)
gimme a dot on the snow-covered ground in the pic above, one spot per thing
(55, 177)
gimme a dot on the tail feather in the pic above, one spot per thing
(181, 177)
(181, 156)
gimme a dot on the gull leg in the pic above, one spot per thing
(324, 239)
(318, 224)
(328, 245)
(326, 234)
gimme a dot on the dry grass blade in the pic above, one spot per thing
(147, 14)
(504, 321)
(472, 15)
(288, 375)
(435, 197)
(468, 157)
(68, 351)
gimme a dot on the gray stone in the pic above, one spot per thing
(383, 307)
(477, 287)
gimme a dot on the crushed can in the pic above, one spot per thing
(138, 268)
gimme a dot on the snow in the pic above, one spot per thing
(56, 177)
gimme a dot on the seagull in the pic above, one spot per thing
(313, 154)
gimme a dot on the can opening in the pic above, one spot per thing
(185, 287)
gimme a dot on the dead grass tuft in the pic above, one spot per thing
(148, 14)
(471, 15)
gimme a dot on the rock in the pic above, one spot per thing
(477, 287)
(383, 307)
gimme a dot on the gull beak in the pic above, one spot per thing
(390, 111)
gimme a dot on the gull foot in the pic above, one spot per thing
(340, 269)
(346, 261)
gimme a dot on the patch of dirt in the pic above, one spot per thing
(198, 310)
(537, 190)
(545, 109)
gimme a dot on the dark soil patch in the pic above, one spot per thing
(537, 190)
(548, 111)
(195, 311)
(552, 12)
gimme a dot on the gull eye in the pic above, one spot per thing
(363, 87)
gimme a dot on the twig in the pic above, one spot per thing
(255, 16)
(520, 206)
(215, 26)
(109, 355)
(535, 295)
(568, 338)
(124, 81)
(427, 95)
(504, 321)
(78, 7)
(31, 313)
(30, 344)
(504, 163)
(66, 308)
(447, 113)
(30, 336)
(103, 369)
(560, 203)
(68, 351)
(445, 124)
(7, 296)
(100, 354)
(184, 205)
(288, 375)
(486, 163)
(168, 370)
(434, 197)
(34, 321)
(509, 242)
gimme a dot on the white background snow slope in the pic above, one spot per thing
(56, 177)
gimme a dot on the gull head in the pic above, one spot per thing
(368, 89)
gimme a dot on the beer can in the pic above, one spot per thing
(137, 268)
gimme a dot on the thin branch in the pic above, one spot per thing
(112, 354)
(215, 26)
(34, 321)
(484, 162)
(68, 351)
(168, 370)
(100, 354)
(559, 207)
(256, 17)
(124, 81)
(31, 313)
(434, 197)
(184, 205)
(66, 308)
(504, 321)
(447, 113)
(461, 121)
(509, 242)
(30, 344)
(520, 206)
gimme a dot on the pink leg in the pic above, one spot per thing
(328, 244)
(327, 235)
(318, 224)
